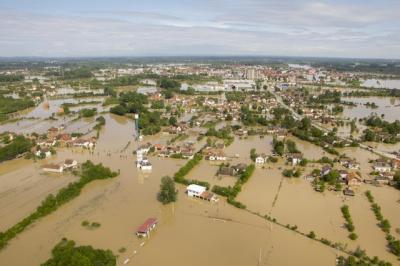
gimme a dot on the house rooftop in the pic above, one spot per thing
(145, 227)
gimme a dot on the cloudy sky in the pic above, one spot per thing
(334, 28)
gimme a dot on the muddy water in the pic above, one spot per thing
(120, 205)
(389, 200)
(243, 146)
(389, 107)
(117, 135)
(235, 238)
(40, 114)
(362, 156)
(310, 150)
(43, 111)
(384, 146)
(382, 83)
(370, 235)
(207, 171)
(313, 211)
(23, 187)
(262, 188)
(188, 230)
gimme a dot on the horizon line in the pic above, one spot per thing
(198, 56)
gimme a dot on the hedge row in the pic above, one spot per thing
(393, 244)
(232, 192)
(90, 172)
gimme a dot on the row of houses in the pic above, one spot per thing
(382, 165)
(214, 154)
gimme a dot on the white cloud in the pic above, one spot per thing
(317, 28)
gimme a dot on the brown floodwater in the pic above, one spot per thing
(36, 119)
(242, 147)
(23, 187)
(293, 201)
(389, 107)
(362, 156)
(190, 231)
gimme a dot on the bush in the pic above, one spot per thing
(66, 253)
(353, 236)
(85, 112)
(385, 225)
(118, 110)
(346, 215)
(369, 196)
(326, 241)
(311, 235)
(287, 173)
(273, 159)
(222, 191)
(235, 203)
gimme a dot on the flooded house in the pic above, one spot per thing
(382, 180)
(64, 139)
(343, 176)
(353, 179)
(349, 163)
(281, 134)
(200, 192)
(214, 154)
(326, 170)
(70, 164)
(227, 170)
(261, 159)
(43, 152)
(144, 148)
(47, 143)
(380, 166)
(148, 226)
(240, 167)
(83, 143)
(295, 158)
(54, 168)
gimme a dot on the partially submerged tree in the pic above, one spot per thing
(167, 193)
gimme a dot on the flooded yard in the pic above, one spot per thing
(261, 190)
(207, 171)
(243, 146)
